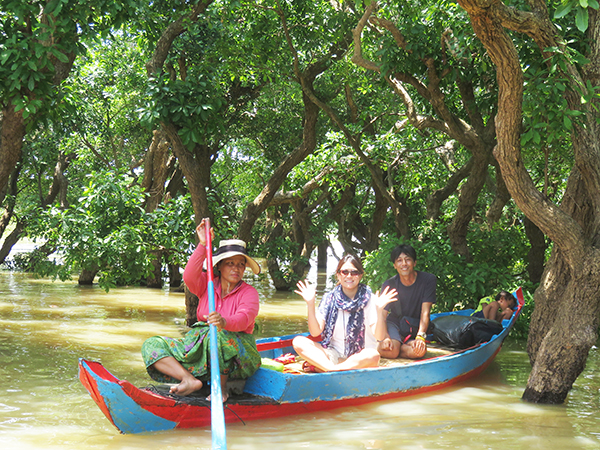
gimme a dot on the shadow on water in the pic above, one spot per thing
(45, 327)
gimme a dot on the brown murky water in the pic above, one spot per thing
(45, 327)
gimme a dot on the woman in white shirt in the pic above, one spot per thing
(350, 319)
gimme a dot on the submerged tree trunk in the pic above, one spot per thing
(322, 254)
(191, 306)
(86, 277)
(11, 240)
(563, 328)
(275, 232)
(175, 277)
(564, 324)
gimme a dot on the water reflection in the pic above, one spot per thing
(46, 326)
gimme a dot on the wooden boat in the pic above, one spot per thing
(269, 393)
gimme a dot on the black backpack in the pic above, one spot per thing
(464, 331)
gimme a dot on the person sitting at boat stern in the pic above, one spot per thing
(186, 360)
(408, 322)
(498, 309)
(350, 320)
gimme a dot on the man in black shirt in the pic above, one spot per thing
(408, 319)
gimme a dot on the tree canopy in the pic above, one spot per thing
(469, 129)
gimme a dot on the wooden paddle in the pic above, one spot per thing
(217, 415)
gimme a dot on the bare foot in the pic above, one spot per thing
(186, 386)
(225, 395)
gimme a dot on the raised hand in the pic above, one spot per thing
(201, 233)
(307, 291)
(384, 298)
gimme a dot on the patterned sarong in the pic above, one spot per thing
(238, 356)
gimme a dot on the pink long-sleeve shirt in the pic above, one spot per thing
(239, 307)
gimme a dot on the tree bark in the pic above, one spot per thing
(301, 231)
(564, 323)
(156, 170)
(536, 256)
(457, 230)
(193, 170)
(436, 198)
(12, 123)
(9, 207)
(175, 277)
(501, 198)
(163, 46)
(196, 170)
(322, 254)
(275, 232)
(563, 327)
(58, 189)
(155, 176)
(191, 306)
(12, 131)
(11, 240)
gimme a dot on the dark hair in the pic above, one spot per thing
(403, 248)
(352, 260)
(508, 296)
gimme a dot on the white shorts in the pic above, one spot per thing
(333, 355)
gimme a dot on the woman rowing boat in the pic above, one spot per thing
(186, 361)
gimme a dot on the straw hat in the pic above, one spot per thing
(233, 247)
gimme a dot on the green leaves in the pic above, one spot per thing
(195, 106)
(581, 19)
(54, 7)
(581, 11)
(497, 264)
(563, 10)
(38, 36)
(545, 109)
(108, 229)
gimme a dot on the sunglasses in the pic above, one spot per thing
(354, 273)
